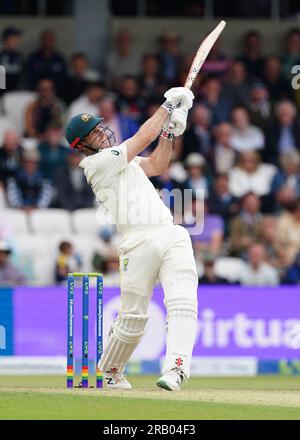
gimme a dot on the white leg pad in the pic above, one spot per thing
(125, 334)
(181, 333)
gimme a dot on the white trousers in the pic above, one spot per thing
(165, 253)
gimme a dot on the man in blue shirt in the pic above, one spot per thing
(48, 63)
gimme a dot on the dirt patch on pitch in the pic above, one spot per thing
(246, 397)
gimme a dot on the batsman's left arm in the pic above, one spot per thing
(159, 160)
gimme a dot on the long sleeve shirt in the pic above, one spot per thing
(29, 190)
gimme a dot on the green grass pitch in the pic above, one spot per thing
(43, 397)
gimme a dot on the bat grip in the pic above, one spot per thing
(171, 124)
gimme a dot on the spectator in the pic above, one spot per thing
(107, 249)
(47, 62)
(206, 230)
(209, 277)
(124, 60)
(150, 81)
(268, 237)
(245, 137)
(283, 133)
(286, 182)
(259, 105)
(221, 201)
(250, 175)
(29, 190)
(289, 231)
(10, 156)
(9, 274)
(224, 155)
(79, 76)
(292, 275)
(152, 105)
(66, 262)
(73, 192)
(89, 101)
(122, 126)
(111, 270)
(279, 88)
(245, 228)
(11, 58)
(215, 101)
(44, 111)
(252, 56)
(129, 102)
(197, 138)
(196, 181)
(53, 153)
(291, 56)
(257, 272)
(170, 57)
(216, 63)
(167, 186)
(236, 87)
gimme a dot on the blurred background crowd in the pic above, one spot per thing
(241, 149)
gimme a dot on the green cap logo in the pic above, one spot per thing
(85, 117)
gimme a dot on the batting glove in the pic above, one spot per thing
(178, 96)
(178, 120)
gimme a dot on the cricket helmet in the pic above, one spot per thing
(80, 126)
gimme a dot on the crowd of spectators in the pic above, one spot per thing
(240, 154)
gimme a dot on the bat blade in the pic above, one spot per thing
(202, 53)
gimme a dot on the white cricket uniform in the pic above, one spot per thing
(151, 248)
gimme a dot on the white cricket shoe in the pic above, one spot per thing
(115, 380)
(171, 380)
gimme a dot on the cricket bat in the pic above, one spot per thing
(201, 55)
(202, 52)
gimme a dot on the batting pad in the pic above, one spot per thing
(181, 332)
(125, 334)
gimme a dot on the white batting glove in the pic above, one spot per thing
(178, 96)
(178, 120)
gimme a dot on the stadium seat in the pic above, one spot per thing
(16, 219)
(14, 105)
(37, 245)
(86, 246)
(229, 268)
(43, 269)
(85, 220)
(48, 221)
(30, 249)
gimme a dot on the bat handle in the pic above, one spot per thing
(171, 124)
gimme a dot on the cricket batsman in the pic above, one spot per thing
(151, 246)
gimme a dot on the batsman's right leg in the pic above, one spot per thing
(139, 265)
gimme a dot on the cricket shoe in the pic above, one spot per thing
(171, 380)
(115, 380)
